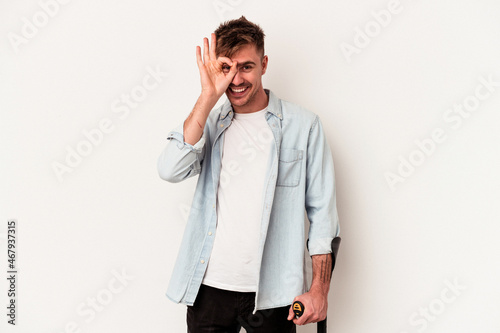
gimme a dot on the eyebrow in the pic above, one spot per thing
(246, 63)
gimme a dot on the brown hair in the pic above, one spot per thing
(232, 35)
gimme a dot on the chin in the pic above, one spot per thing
(238, 102)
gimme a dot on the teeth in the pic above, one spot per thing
(238, 90)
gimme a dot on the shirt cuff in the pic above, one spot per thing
(319, 246)
(178, 134)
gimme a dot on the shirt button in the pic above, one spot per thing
(221, 125)
(210, 233)
(202, 261)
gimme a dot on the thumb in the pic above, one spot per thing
(233, 69)
(291, 314)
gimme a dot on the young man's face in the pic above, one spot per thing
(245, 91)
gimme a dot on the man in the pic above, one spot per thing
(261, 161)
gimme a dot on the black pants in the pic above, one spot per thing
(224, 311)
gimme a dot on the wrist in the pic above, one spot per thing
(208, 100)
(318, 289)
(209, 96)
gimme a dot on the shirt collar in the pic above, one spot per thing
(274, 106)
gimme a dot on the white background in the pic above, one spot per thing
(401, 247)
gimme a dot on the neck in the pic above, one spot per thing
(260, 101)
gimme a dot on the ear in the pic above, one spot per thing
(264, 64)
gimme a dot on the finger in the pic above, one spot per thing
(213, 46)
(224, 60)
(302, 320)
(232, 71)
(298, 321)
(234, 66)
(291, 314)
(206, 56)
(198, 56)
(305, 318)
(201, 65)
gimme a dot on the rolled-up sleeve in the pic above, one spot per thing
(320, 196)
(180, 160)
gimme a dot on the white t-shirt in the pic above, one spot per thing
(234, 262)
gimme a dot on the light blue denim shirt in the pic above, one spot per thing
(300, 179)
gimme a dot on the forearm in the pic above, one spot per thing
(195, 122)
(315, 301)
(322, 272)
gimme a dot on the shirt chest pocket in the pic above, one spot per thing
(290, 164)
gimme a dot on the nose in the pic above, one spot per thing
(237, 79)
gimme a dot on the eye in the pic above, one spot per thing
(225, 68)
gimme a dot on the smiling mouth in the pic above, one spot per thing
(238, 91)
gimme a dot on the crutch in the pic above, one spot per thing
(298, 307)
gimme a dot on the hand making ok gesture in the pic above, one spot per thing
(214, 74)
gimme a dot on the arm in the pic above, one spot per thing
(320, 205)
(184, 158)
(214, 83)
(316, 299)
(320, 195)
